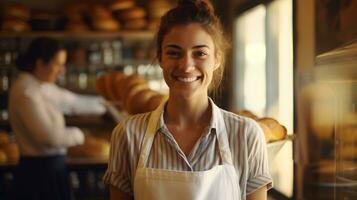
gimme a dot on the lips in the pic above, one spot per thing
(187, 79)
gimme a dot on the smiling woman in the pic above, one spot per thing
(188, 145)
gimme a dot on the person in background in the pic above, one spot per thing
(188, 148)
(39, 127)
(70, 103)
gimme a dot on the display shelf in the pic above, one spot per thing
(273, 148)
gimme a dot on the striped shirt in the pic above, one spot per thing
(245, 137)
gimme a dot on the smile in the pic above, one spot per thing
(187, 79)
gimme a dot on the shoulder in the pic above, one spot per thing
(23, 88)
(132, 128)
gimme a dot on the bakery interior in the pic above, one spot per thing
(292, 67)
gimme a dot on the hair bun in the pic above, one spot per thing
(200, 5)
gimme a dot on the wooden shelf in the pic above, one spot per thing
(82, 35)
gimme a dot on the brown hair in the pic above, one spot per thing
(196, 11)
(43, 48)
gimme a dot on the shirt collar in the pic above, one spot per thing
(216, 124)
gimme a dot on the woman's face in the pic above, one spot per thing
(55, 67)
(188, 60)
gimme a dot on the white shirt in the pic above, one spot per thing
(39, 127)
(246, 142)
(71, 103)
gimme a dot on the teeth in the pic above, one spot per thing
(187, 80)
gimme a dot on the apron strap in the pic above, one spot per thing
(222, 136)
(150, 135)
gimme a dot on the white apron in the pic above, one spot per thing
(220, 182)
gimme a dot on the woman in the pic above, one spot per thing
(188, 148)
(39, 126)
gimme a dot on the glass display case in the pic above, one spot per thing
(327, 126)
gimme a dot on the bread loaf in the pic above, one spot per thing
(278, 132)
(3, 158)
(101, 87)
(132, 13)
(247, 113)
(118, 5)
(17, 11)
(4, 138)
(118, 86)
(12, 152)
(93, 147)
(128, 83)
(267, 133)
(106, 24)
(137, 103)
(110, 84)
(15, 25)
(135, 24)
(76, 26)
(155, 101)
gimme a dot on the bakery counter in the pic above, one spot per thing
(85, 175)
(72, 163)
(105, 121)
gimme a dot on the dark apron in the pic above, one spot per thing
(42, 178)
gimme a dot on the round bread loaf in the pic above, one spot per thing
(3, 158)
(278, 132)
(247, 113)
(106, 24)
(267, 132)
(155, 101)
(110, 84)
(134, 89)
(4, 138)
(118, 5)
(76, 26)
(12, 152)
(129, 82)
(101, 87)
(100, 12)
(93, 147)
(132, 13)
(17, 11)
(157, 8)
(135, 24)
(137, 103)
(118, 82)
(15, 25)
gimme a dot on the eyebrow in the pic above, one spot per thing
(178, 47)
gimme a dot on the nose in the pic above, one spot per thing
(187, 63)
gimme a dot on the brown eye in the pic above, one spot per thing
(200, 54)
(173, 54)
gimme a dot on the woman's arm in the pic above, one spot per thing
(259, 194)
(117, 194)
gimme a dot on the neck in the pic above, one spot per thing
(187, 111)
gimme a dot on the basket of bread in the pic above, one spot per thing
(275, 133)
